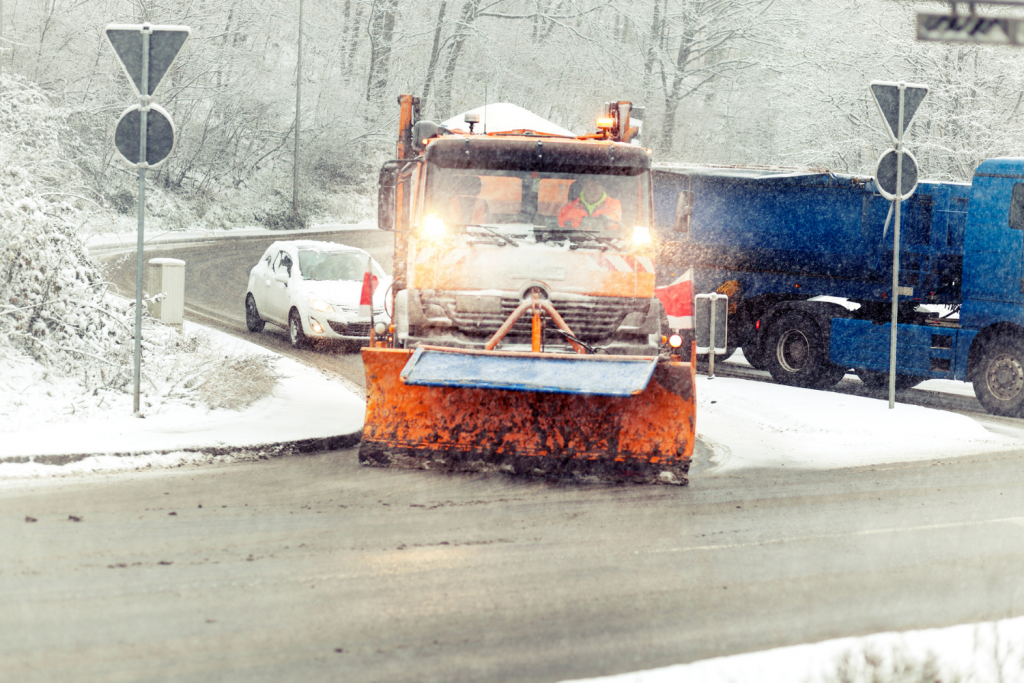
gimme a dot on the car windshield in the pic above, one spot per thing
(334, 265)
(605, 204)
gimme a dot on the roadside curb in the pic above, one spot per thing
(261, 451)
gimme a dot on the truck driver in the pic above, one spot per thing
(593, 202)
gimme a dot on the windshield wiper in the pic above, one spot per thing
(495, 233)
(577, 236)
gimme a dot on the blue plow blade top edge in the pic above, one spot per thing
(589, 375)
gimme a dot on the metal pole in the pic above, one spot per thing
(711, 342)
(298, 109)
(896, 253)
(143, 116)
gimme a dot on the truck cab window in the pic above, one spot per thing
(1017, 207)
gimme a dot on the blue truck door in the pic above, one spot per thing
(992, 249)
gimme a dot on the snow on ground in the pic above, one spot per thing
(989, 651)
(759, 424)
(39, 416)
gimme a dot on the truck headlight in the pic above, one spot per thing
(641, 234)
(320, 306)
(433, 227)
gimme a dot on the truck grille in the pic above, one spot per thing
(591, 320)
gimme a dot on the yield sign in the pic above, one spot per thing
(164, 44)
(887, 97)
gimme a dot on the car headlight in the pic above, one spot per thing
(320, 306)
(433, 226)
(641, 234)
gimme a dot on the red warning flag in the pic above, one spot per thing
(677, 300)
(366, 296)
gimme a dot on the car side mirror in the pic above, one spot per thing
(684, 212)
(281, 277)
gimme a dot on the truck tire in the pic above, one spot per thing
(795, 353)
(880, 380)
(999, 379)
(754, 357)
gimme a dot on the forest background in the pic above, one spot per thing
(775, 82)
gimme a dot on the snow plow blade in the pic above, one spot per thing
(552, 374)
(609, 418)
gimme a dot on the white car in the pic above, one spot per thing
(312, 289)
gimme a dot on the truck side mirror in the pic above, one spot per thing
(684, 211)
(387, 182)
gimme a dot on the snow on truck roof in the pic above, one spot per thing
(736, 171)
(504, 116)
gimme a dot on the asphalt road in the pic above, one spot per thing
(317, 569)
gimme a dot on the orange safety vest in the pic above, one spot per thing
(573, 213)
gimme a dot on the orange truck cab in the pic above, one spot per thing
(478, 231)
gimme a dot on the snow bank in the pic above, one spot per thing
(304, 404)
(756, 424)
(989, 651)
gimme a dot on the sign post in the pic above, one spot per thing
(146, 52)
(897, 103)
(711, 326)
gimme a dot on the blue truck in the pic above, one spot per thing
(806, 259)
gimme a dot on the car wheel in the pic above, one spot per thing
(999, 379)
(253, 321)
(796, 354)
(880, 380)
(295, 334)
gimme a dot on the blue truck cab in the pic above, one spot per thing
(806, 259)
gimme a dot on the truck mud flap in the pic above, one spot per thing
(503, 412)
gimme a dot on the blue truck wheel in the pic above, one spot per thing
(999, 378)
(796, 353)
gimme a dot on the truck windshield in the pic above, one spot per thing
(551, 205)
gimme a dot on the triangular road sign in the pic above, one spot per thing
(164, 44)
(887, 97)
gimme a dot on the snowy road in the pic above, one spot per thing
(313, 568)
(264, 571)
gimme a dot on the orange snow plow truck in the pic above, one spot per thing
(525, 333)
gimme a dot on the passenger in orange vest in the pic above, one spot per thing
(593, 202)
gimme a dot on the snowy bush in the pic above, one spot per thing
(53, 302)
(55, 309)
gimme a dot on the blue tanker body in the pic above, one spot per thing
(777, 240)
(826, 232)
